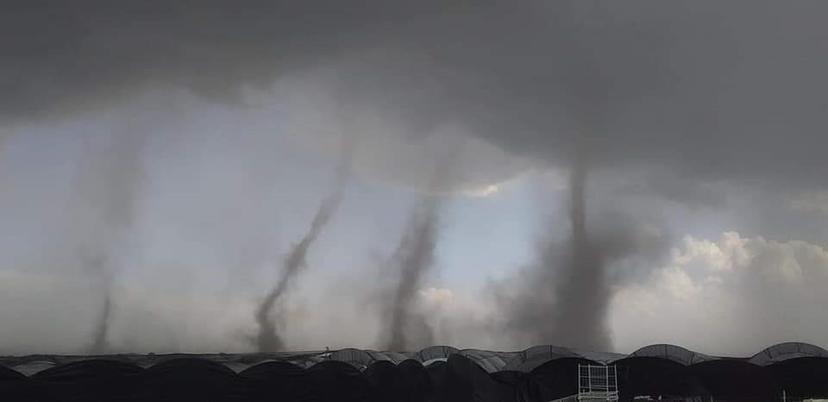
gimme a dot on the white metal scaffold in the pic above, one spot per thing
(597, 383)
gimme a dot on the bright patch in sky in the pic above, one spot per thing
(485, 191)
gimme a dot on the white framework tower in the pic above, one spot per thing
(597, 383)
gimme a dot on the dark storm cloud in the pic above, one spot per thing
(707, 89)
(704, 90)
(62, 57)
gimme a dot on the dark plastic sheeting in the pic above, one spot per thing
(385, 380)
(190, 380)
(467, 381)
(438, 377)
(802, 377)
(556, 379)
(89, 380)
(288, 382)
(654, 377)
(519, 382)
(339, 382)
(737, 380)
(416, 383)
(537, 374)
(14, 386)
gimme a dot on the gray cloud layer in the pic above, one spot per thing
(692, 94)
(704, 88)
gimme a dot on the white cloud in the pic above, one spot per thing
(734, 295)
(678, 283)
(723, 255)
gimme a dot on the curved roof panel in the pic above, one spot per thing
(188, 365)
(9, 374)
(92, 367)
(432, 353)
(364, 358)
(271, 368)
(671, 352)
(33, 367)
(602, 357)
(393, 357)
(488, 360)
(307, 361)
(355, 357)
(786, 351)
(535, 356)
(491, 361)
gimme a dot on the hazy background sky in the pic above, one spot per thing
(171, 153)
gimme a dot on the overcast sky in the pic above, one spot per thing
(172, 153)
